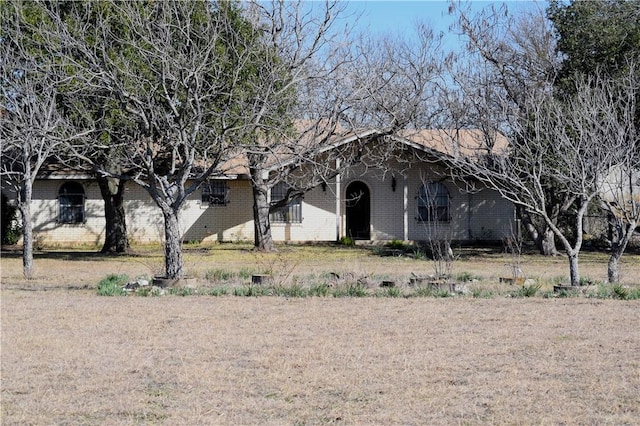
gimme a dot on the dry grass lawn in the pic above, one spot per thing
(71, 357)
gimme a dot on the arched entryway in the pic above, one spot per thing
(358, 211)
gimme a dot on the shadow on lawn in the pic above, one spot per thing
(15, 252)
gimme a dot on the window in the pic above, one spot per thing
(214, 193)
(433, 203)
(289, 213)
(71, 203)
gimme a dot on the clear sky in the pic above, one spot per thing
(386, 16)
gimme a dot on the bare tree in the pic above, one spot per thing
(621, 188)
(587, 134)
(294, 108)
(508, 58)
(33, 131)
(318, 87)
(178, 74)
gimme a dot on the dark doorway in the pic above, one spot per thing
(358, 211)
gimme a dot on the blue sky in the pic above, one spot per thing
(385, 16)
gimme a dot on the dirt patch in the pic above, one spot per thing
(72, 357)
(75, 358)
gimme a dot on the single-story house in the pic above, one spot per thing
(400, 200)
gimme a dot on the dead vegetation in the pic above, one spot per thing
(72, 357)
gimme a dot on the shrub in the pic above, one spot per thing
(619, 292)
(420, 254)
(294, 290)
(111, 285)
(529, 290)
(318, 290)
(182, 291)
(350, 290)
(246, 273)
(587, 281)
(347, 241)
(423, 292)
(481, 293)
(465, 277)
(250, 291)
(218, 291)
(396, 244)
(391, 292)
(442, 293)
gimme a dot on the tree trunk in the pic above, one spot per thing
(542, 235)
(574, 272)
(173, 245)
(547, 243)
(115, 238)
(617, 250)
(27, 230)
(263, 239)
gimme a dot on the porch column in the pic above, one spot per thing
(405, 209)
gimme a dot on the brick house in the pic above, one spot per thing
(401, 200)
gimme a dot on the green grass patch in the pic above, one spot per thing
(319, 290)
(293, 290)
(217, 291)
(350, 290)
(218, 275)
(111, 285)
(465, 277)
(528, 290)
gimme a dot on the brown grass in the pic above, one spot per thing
(71, 357)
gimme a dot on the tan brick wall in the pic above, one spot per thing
(481, 215)
(45, 210)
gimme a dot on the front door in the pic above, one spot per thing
(358, 211)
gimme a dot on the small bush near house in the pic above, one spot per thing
(11, 231)
(396, 244)
(347, 241)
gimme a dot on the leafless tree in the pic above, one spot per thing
(176, 74)
(586, 134)
(293, 108)
(508, 58)
(621, 189)
(320, 85)
(33, 131)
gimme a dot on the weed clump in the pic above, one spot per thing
(112, 284)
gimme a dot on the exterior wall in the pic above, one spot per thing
(479, 216)
(386, 204)
(44, 209)
(318, 218)
(198, 221)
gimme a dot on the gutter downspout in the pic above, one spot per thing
(338, 197)
(469, 213)
(405, 210)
